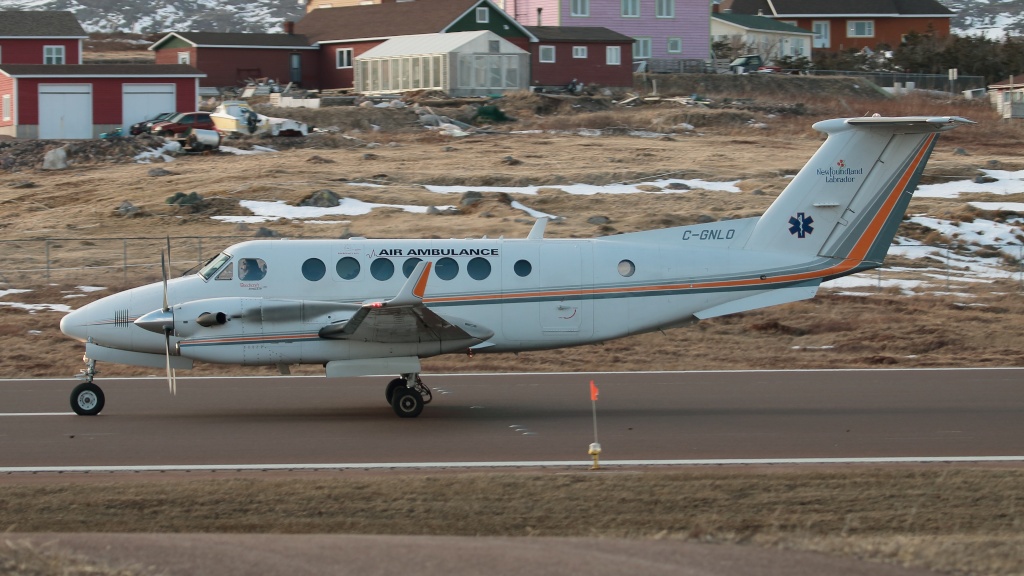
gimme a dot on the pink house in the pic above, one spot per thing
(661, 29)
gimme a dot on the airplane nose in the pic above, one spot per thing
(73, 324)
(156, 321)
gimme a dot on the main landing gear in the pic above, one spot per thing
(87, 398)
(407, 400)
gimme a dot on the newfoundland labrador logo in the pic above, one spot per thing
(840, 174)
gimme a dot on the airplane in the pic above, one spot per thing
(363, 306)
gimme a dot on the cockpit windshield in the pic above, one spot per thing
(214, 264)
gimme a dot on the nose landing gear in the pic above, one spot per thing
(408, 401)
(87, 398)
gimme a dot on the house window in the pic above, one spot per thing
(494, 46)
(483, 15)
(797, 47)
(184, 58)
(579, 51)
(580, 8)
(674, 45)
(860, 28)
(344, 57)
(821, 33)
(547, 54)
(53, 54)
(613, 55)
(665, 8)
(631, 8)
(641, 48)
(6, 107)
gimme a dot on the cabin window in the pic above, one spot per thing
(478, 268)
(446, 268)
(251, 269)
(522, 268)
(409, 265)
(347, 268)
(313, 269)
(627, 268)
(382, 269)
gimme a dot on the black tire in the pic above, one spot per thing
(407, 403)
(389, 392)
(87, 399)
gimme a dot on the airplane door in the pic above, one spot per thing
(555, 303)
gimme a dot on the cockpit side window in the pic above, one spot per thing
(227, 273)
(251, 269)
(214, 264)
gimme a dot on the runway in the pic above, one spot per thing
(668, 418)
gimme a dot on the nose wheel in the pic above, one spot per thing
(408, 401)
(87, 398)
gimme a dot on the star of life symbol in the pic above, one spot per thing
(801, 225)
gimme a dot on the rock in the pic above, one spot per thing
(598, 220)
(322, 199)
(982, 179)
(319, 160)
(22, 184)
(372, 145)
(370, 156)
(757, 192)
(648, 188)
(394, 145)
(511, 161)
(158, 172)
(449, 149)
(182, 199)
(994, 163)
(56, 159)
(242, 227)
(677, 186)
(705, 219)
(265, 232)
(960, 152)
(127, 210)
(433, 211)
(471, 197)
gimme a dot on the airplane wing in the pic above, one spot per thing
(402, 319)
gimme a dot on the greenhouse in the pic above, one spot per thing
(473, 63)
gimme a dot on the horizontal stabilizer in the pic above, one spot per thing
(761, 300)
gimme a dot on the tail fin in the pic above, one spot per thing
(849, 199)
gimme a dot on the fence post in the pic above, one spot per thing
(124, 262)
(47, 261)
(200, 261)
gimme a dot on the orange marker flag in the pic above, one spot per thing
(593, 391)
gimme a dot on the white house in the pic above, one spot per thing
(771, 39)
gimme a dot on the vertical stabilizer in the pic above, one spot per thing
(849, 199)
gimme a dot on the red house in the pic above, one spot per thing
(229, 59)
(590, 55)
(845, 25)
(79, 101)
(346, 32)
(40, 38)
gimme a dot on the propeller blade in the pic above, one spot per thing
(170, 269)
(163, 270)
(167, 354)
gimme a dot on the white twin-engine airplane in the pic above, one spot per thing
(361, 306)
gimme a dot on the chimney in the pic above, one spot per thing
(539, 10)
(289, 27)
(760, 11)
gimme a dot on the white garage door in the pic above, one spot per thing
(65, 111)
(143, 101)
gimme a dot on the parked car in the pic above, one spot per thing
(183, 122)
(746, 64)
(144, 126)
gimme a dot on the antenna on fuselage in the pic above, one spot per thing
(537, 232)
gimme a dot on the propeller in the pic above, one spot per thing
(172, 381)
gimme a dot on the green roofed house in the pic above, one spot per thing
(748, 34)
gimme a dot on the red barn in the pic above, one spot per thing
(590, 55)
(229, 59)
(40, 38)
(79, 101)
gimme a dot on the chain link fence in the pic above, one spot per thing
(124, 262)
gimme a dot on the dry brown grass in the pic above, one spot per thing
(946, 518)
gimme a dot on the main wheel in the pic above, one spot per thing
(407, 403)
(87, 399)
(395, 384)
